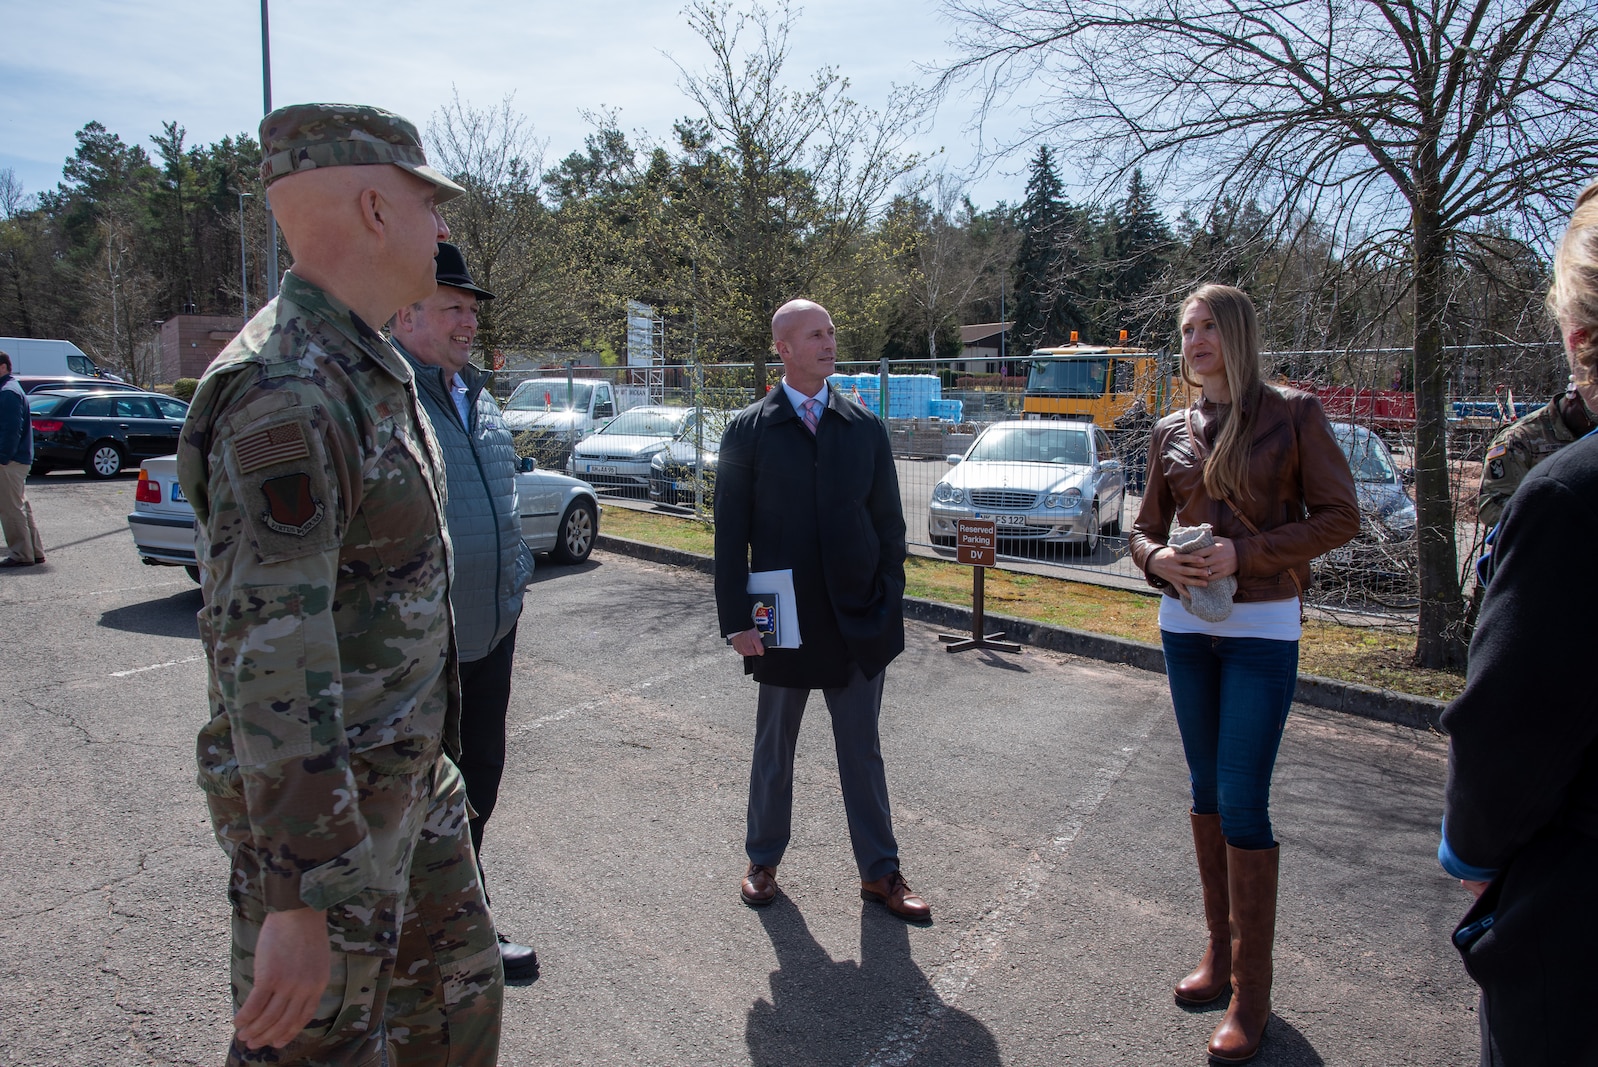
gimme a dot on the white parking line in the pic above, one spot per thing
(56, 596)
(155, 666)
(691, 667)
(983, 941)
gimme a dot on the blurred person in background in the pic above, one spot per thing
(1523, 444)
(23, 547)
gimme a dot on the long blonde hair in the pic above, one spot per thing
(1226, 470)
(1573, 298)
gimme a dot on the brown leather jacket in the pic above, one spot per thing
(1303, 499)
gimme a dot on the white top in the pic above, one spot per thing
(1273, 620)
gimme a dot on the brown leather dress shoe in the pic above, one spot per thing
(893, 891)
(760, 885)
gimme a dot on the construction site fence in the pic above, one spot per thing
(1376, 577)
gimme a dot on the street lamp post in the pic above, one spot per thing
(266, 97)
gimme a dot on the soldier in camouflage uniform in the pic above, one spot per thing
(360, 934)
(1523, 444)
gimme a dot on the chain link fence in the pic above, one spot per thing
(937, 411)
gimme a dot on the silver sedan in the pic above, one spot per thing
(560, 514)
(617, 455)
(1041, 481)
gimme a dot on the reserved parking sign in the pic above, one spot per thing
(974, 542)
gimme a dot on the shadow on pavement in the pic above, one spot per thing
(1283, 1045)
(545, 568)
(171, 616)
(824, 1012)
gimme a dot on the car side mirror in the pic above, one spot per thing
(1406, 475)
(527, 465)
(953, 460)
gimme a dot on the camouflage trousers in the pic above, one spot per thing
(416, 976)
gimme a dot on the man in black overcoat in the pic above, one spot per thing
(806, 482)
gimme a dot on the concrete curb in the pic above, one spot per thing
(1383, 705)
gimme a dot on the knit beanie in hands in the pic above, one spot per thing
(1212, 603)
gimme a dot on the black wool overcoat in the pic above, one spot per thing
(827, 506)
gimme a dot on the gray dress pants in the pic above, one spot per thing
(854, 709)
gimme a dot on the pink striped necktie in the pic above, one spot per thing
(811, 413)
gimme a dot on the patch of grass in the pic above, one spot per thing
(685, 534)
(1368, 656)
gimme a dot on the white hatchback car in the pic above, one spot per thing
(618, 454)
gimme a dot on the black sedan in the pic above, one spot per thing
(101, 431)
(688, 460)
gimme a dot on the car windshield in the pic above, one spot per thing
(1368, 458)
(715, 424)
(39, 404)
(638, 423)
(549, 395)
(1067, 377)
(1042, 443)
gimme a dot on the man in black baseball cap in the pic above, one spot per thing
(492, 565)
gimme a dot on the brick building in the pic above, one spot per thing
(186, 344)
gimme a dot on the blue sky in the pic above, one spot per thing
(132, 64)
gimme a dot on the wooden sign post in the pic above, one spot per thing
(975, 543)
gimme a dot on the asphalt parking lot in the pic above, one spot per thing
(1039, 801)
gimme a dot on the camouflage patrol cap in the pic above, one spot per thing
(306, 136)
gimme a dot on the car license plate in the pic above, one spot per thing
(601, 468)
(1010, 520)
(177, 494)
(1340, 556)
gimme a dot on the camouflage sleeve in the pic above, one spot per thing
(1503, 469)
(279, 473)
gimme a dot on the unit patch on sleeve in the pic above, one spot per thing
(282, 443)
(290, 507)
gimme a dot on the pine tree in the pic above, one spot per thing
(1047, 278)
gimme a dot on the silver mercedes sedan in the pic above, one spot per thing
(1041, 481)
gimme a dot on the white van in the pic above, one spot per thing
(37, 357)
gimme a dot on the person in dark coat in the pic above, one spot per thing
(806, 484)
(1520, 825)
(23, 547)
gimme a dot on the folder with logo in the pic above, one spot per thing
(771, 608)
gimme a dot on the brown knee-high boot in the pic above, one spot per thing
(1214, 972)
(1251, 880)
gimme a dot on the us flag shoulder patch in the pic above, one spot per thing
(275, 444)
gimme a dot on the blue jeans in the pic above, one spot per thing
(1231, 696)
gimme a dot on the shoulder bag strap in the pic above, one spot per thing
(1255, 530)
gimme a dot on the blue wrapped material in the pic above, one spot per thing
(910, 396)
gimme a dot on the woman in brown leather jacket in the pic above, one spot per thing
(1260, 466)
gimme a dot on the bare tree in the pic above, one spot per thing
(1406, 126)
(493, 154)
(941, 263)
(789, 179)
(12, 198)
(121, 301)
